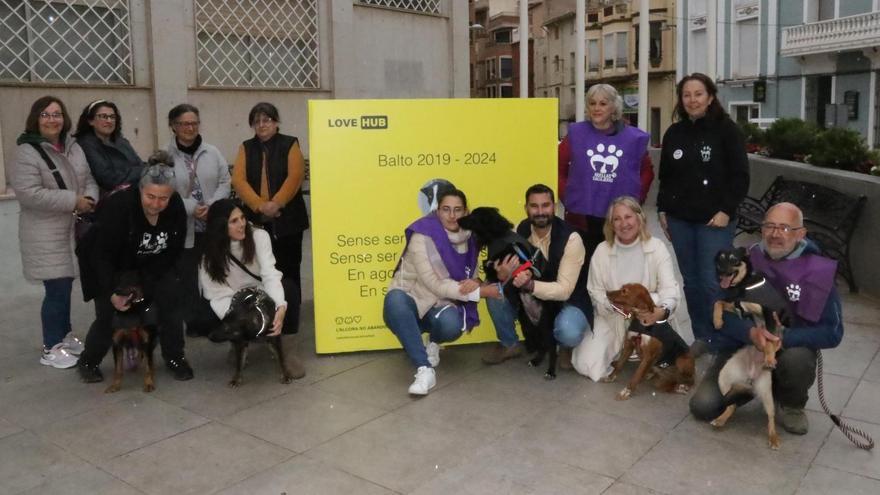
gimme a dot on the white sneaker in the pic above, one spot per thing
(425, 381)
(433, 350)
(58, 357)
(72, 344)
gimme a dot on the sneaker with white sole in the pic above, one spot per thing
(425, 381)
(72, 344)
(433, 350)
(58, 357)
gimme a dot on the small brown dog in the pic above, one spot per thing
(134, 335)
(658, 345)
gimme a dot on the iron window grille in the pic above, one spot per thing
(67, 41)
(258, 43)
(423, 6)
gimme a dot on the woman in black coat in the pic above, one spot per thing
(113, 161)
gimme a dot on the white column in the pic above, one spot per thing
(644, 39)
(580, 41)
(523, 48)
(872, 112)
(711, 37)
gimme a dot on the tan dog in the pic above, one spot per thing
(633, 299)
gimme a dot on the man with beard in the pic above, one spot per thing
(562, 286)
(792, 264)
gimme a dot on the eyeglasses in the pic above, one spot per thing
(263, 121)
(159, 171)
(448, 210)
(187, 124)
(769, 228)
(48, 116)
(106, 116)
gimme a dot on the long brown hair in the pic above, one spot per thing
(217, 242)
(32, 124)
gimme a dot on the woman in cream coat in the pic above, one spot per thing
(628, 255)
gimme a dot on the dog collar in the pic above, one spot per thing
(757, 284)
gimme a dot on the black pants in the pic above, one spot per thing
(794, 375)
(167, 307)
(188, 267)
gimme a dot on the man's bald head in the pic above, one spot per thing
(787, 209)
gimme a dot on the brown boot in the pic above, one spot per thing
(564, 358)
(497, 353)
(294, 365)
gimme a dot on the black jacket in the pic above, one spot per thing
(559, 234)
(703, 169)
(125, 241)
(112, 164)
(293, 217)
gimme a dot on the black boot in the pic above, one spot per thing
(180, 368)
(89, 373)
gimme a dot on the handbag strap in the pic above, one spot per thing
(52, 168)
(241, 265)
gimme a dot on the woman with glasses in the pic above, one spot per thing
(202, 177)
(113, 161)
(268, 176)
(435, 289)
(52, 183)
(704, 176)
(140, 231)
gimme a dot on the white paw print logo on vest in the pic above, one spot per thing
(794, 292)
(605, 165)
(706, 153)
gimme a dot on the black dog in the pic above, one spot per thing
(134, 334)
(250, 318)
(747, 291)
(495, 233)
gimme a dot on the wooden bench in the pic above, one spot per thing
(829, 215)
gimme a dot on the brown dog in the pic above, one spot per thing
(133, 335)
(657, 344)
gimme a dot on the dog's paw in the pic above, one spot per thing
(624, 394)
(149, 387)
(717, 322)
(774, 442)
(609, 379)
(114, 387)
(286, 378)
(549, 375)
(770, 365)
(234, 383)
(535, 362)
(718, 422)
(682, 389)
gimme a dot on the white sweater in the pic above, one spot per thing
(220, 294)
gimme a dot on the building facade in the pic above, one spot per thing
(611, 57)
(812, 59)
(223, 56)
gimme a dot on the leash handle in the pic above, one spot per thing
(864, 441)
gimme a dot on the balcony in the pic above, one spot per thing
(845, 33)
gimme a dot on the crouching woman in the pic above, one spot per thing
(434, 288)
(238, 256)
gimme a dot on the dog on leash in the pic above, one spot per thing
(496, 234)
(250, 316)
(664, 353)
(134, 334)
(748, 373)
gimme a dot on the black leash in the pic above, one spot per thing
(848, 431)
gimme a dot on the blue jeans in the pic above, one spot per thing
(401, 315)
(55, 312)
(569, 326)
(695, 247)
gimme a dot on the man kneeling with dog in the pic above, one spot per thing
(793, 266)
(562, 286)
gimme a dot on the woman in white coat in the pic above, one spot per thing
(53, 184)
(628, 255)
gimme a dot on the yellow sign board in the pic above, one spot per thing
(375, 166)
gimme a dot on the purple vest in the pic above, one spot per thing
(603, 167)
(460, 266)
(805, 282)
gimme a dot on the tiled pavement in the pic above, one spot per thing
(349, 426)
